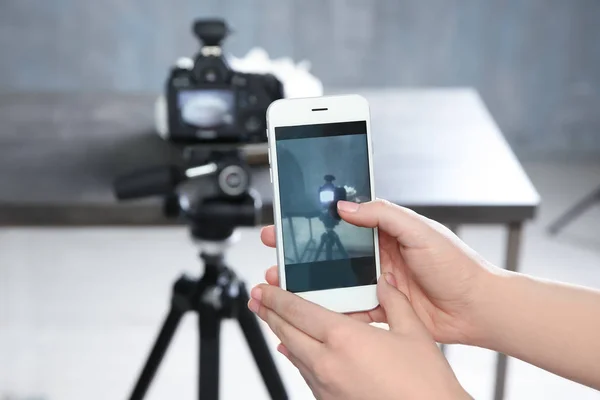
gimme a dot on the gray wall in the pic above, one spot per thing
(344, 157)
(536, 63)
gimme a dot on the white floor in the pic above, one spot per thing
(79, 308)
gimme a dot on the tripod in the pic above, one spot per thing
(217, 295)
(330, 239)
(212, 193)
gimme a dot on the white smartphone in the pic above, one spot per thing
(320, 152)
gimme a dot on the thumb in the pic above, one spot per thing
(406, 226)
(397, 308)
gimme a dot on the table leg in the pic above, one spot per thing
(294, 244)
(512, 260)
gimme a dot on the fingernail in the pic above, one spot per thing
(253, 305)
(390, 278)
(282, 349)
(256, 293)
(347, 206)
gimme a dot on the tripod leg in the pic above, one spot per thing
(157, 354)
(258, 346)
(208, 374)
(311, 241)
(329, 248)
(340, 246)
(574, 212)
(318, 253)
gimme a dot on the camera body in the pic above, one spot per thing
(329, 195)
(207, 101)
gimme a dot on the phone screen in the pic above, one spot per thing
(318, 165)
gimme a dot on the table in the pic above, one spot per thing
(437, 151)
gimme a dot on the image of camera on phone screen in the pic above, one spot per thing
(207, 101)
(329, 195)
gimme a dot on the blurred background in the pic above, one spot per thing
(534, 63)
(81, 297)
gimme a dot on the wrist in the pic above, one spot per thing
(495, 292)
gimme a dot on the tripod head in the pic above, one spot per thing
(211, 192)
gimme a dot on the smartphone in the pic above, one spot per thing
(320, 152)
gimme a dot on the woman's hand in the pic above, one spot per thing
(341, 358)
(443, 279)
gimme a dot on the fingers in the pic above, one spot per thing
(283, 350)
(272, 276)
(408, 227)
(293, 359)
(308, 317)
(303, 369)
(397, 308)
(267, 235)
(298, 342)
(375, 315)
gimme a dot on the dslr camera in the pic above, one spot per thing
(208, 102)
(329, 195)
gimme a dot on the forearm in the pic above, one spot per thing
(552, 325)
